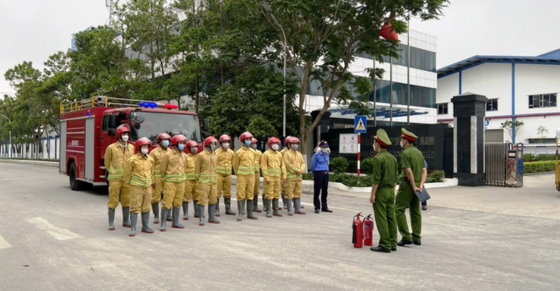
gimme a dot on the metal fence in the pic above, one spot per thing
(504, 164)
(46, 149)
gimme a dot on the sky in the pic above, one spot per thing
(32, 30)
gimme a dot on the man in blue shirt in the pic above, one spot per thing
(320, 170)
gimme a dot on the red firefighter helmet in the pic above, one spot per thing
(224, 137)
(178, 138)
(209, 140)
(287, 140)
(272, 140)
(122, 129)
(245, 136)
(162, 136)
(294, 140)
(143, 141)
(192, 144)
(254, 140)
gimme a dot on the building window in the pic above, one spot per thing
(492, 105)
(542, 100)
(442, 108)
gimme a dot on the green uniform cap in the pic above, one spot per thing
(408, 135)
(382, 137)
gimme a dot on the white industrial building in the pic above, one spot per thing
(518, 88)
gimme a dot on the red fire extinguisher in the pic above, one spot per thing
(368, 230)
(357, 231)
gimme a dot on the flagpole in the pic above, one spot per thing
(374, 101)
(391, 91)
(408, 72)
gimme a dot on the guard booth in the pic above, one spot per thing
(504, 164)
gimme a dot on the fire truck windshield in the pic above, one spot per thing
(150, 124)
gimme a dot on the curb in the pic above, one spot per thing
(31, 162)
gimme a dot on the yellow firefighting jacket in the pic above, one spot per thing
(272, 166)
(225, 161)
(190, 165)
(244, 161)
(258, 157)
(157, 154)
(173, 165)
(116, 157)
(205, 167)
(293, 160)
(139, 170)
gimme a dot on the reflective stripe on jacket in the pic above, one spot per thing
(173, 166)
(205, 167)
(293, 160)
(116, 157)
(139, 170)
(189, 169)
(225, 161)
(272, 166)
(157, 154)
(244, 161)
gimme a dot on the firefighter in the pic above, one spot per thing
(223, 169)
(383, 193)
(163, 139)
(413, 164)
(273, 173)
(244, 167)
(283, 194)
(116, 157)
(258, 155)
(172, 171)
(190, 184)
(139, 174)
(205, 170)
(293, 161)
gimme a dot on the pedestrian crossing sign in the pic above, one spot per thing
(360, 124)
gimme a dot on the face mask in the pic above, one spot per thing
(295, 147)
(325, 150)
(124, 138)
(275, 147)
(254, 146)
(374, 147)
(402, 144)
(225, 145)
(212, 147)
(181, 147)
(165, 143)
(247, 142)
(144, 151)
(194, 150)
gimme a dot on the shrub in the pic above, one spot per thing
(545, 157)
(436, 176)
(528, 158)
(367, 166)
(307, 176)
(339, 165)
(537, 167)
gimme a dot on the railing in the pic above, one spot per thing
(102, 101)
(46, 149)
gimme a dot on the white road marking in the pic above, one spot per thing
(57, 232)
(4, 244)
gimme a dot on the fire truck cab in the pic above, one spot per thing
(87, 128)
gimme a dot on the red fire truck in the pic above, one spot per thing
(87, 128)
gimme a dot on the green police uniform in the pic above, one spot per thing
(385, 176)
(411, 158)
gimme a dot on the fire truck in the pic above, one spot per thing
(87, 128)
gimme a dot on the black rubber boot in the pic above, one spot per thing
(240, 206)
(289, 207)
(125, 215)
(155, 209)
(185, 210)
(111, 219)
(275, 210)
(227, 203)
(263, 200)
(250, 211)
(175, 223)
(146, 223)
(195, 202)
(217, 208)
(284, 201)
(256, 203)
(268, 207)
(201, 217)
(163, 221)
(133, 221)
(297, 204)
(212, 214)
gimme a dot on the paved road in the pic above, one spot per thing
(52, 238)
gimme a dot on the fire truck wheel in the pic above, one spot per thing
(75, 184)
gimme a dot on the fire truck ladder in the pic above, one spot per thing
(104, 101)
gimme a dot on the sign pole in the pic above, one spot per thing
(359, 141)
(360, 126)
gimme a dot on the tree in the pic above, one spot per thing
(324, 36)
(512, 127)
(542, 131)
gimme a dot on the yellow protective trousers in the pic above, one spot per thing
(224, 186)
(245, 184)
(190, 191)
(207, 193)
(118, 191)
(293, 188)
(156, 193)
(172, 194)
(140, 198)
(272, 189)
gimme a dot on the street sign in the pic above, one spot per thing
(360, 124)
(348, 143)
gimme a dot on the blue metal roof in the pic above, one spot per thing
(550, 58)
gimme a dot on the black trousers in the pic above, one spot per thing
(320, 185)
